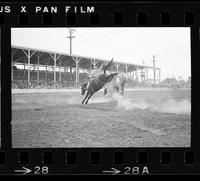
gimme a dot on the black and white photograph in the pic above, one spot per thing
(101, 87)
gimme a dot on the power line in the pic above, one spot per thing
(105, 45)
(101, 36)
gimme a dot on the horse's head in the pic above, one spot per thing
(107, 78)
(83, 89)
(112, 76)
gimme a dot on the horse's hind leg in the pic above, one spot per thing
(122, 91)
(105, 91)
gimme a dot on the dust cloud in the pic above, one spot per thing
(100, 100)
(166, 106)
(173, 106)
(127, 103)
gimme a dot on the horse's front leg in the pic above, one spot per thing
(85, 98)
(88, 98)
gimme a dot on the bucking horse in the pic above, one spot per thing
(95, 85)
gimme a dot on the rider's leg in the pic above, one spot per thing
(88, 84)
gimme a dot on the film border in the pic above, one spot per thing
(127, 157)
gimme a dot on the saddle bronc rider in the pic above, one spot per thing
(96, 73)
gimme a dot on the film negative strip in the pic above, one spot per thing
(100, 88)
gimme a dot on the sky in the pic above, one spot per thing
(135, 45)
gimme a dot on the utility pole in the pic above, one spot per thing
(154, 71)
(71, 31)
(143, 71)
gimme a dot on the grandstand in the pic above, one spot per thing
(173, 83)
(35, 68)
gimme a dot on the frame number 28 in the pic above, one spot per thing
(41, 170)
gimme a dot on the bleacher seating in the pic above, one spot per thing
(46, 79)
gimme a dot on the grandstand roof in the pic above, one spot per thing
(65, 59)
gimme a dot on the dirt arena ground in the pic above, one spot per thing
(142, 118)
